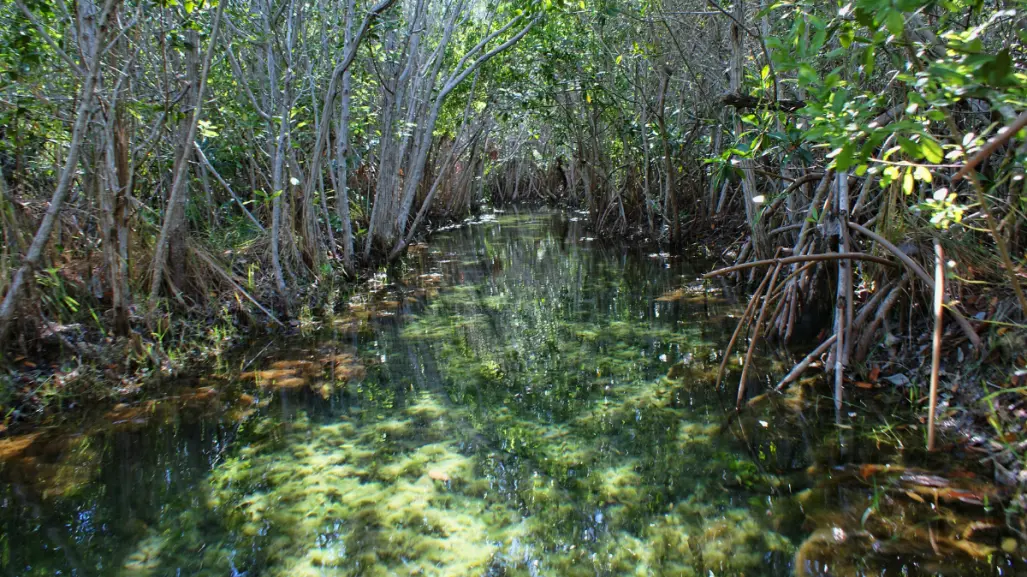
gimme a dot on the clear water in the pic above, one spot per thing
(513, 399)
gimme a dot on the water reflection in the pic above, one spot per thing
(512, 399)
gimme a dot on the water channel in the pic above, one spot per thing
(514, 398)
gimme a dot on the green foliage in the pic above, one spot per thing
(877, 69)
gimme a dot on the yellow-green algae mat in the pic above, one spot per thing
(398, 497)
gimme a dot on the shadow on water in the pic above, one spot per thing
(513, 399)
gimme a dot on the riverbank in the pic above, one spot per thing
(74, 364)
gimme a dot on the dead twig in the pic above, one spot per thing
(982, 200)
(1004, 135)
(741, 323)
(882, 313)
(939, 299)
(755, 336)
(206, 163)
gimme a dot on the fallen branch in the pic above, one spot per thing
(992, 145)
(804, 364)
(801, 258)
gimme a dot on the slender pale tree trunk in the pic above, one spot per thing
(449, 162)
(179, 190)
(278, 189)
(35, 253)
(342, 152)
(393, 146)
(416, 168)
(646, 168)
(760, 238)
(308, 217)
(113, 199)
(124, 174)
(670, 204)
(113, 141)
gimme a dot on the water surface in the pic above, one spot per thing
(515, 398)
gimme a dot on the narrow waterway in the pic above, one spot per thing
(515, 398)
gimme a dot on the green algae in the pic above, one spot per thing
(540, 445)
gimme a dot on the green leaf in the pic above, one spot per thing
(807, 74)
(842, 157)
(894, 22)
(868, 60)
(818, 39)
(910, 148)
(865, 17)
(907, 182)
(931, 149)
(921, 173)
(846, 36)
(838, 100)
(1000, 68)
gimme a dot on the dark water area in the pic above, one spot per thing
(514, 398)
